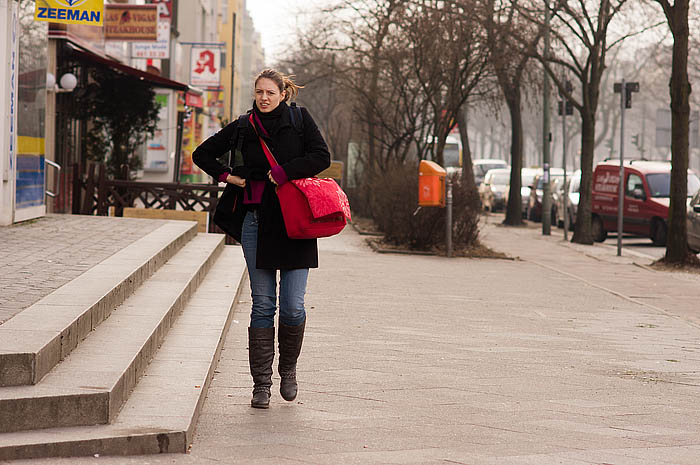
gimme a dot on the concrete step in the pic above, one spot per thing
(93, 382)
(162, 411)
(35, 340)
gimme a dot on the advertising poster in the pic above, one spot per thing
(157, 148)
(188, 145)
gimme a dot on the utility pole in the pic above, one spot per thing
(625, 90)
(546, 136)
(233, 68)
(565, 108)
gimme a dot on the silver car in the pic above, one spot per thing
(492, 190)
(527, 176)
(694, 223)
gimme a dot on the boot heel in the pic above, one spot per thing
(289, 386)
(261, 398)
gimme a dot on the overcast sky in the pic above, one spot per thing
(276, 21)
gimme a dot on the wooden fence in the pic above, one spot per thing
(95, 194)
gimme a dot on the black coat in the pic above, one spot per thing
(300, 155)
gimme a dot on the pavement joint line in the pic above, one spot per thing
(618, 294)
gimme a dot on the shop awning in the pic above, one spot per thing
(157, 81)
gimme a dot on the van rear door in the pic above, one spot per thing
(606, 181)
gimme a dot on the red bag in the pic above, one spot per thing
(311, 207)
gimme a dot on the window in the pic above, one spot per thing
(633, 182)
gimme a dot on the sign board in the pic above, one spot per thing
(131, 22)
(194, 100)
(165, 8)
(159, 49)
(88, 12)
(335, 171)
(205, 66)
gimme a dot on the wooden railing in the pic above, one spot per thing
(95, 194)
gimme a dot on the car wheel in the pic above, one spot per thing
(658, 232)
(597, 231)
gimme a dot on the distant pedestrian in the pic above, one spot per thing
(301, 152)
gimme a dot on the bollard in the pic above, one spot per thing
(448, 220)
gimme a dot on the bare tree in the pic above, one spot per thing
(580, 46)
(677, 240)
(450, 64)
(509, 60)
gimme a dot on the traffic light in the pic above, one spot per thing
(635, 140)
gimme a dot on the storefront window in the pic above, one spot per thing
(31, 106)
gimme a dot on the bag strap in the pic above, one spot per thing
(265, 148)
(242, 123)
(297, 119)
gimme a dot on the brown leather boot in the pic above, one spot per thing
(290, 339)
(261, 352)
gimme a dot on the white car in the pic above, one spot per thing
(694, 223)
(482, 165)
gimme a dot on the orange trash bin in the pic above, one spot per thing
(431, 184)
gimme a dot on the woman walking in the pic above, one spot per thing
(301, 152)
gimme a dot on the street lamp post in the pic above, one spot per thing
(546, 136)
(625, 90)
(565, 108)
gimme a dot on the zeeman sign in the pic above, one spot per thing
(88, 12)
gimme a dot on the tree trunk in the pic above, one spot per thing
(514, 209)
(467, 167)
(677, 239)
(582, 232)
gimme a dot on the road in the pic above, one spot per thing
(636, 245)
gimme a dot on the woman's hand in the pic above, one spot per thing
(235, 180)
(272, 180)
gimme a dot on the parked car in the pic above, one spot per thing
(482, 165)
(694, 223)
(647, 187)
(493, 189)
(527, 176)
(572, 189)
(534, 208)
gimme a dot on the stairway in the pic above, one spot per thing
(118, 361)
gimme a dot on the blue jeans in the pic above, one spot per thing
(263, 285)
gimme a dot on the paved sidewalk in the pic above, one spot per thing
(38, 257)
(566, 356)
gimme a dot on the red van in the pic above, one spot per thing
(647, 186)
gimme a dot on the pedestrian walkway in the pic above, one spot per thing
(38, 257)
(567, 355)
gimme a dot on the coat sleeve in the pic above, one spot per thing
(316, 156)
(207, 153)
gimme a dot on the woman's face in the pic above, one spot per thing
(267, 95)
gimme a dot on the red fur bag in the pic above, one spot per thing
(311, 207)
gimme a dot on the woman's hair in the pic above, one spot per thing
(284, 82)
